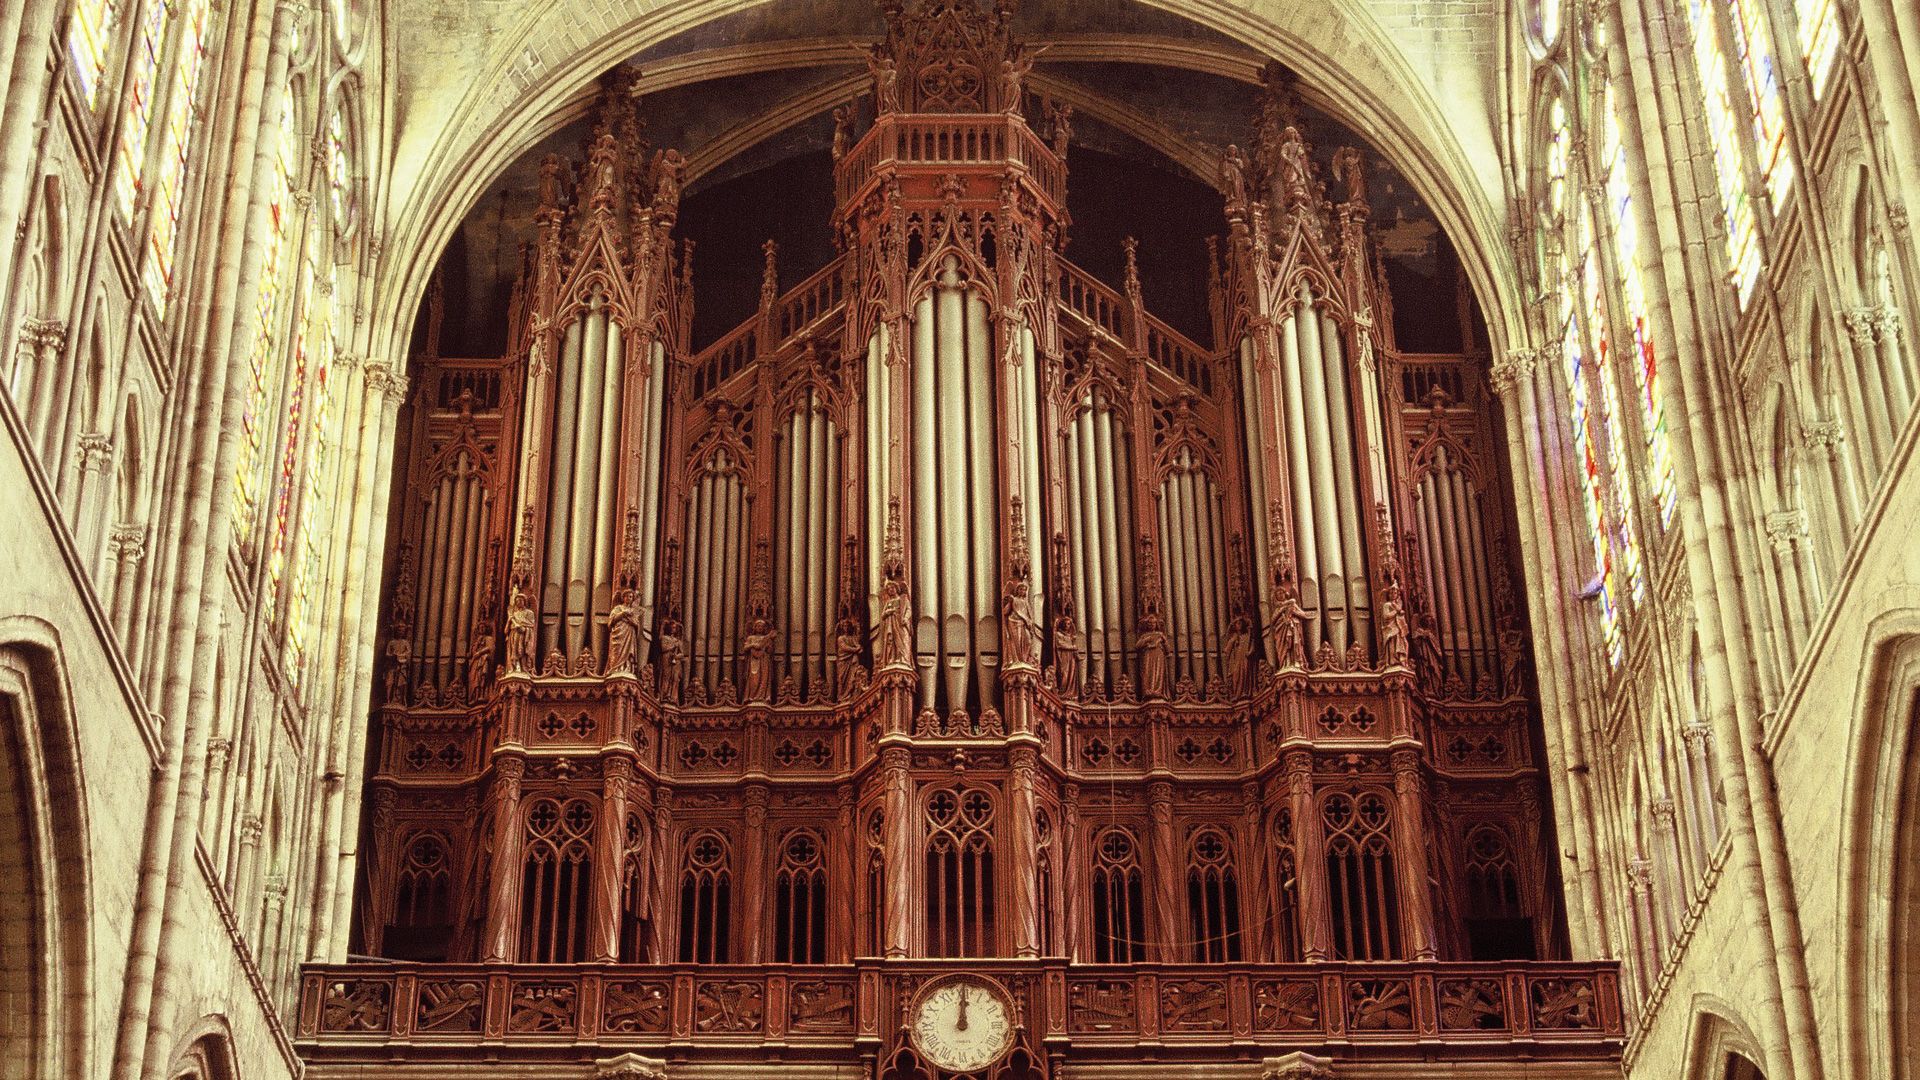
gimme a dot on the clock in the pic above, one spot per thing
(961, 1023)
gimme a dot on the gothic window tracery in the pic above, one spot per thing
(706, 899)
(1119, 900)
(163, 220)
(137, 119)
(1361, 876)
(422, 916)
(557, 881)
(1286, 888)
(800, 900)
(90, 29)
(961, 901)
(1213, 897)
(1723, 134)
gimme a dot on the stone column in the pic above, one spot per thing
(1416, 899)
(1787, 532)
(42, 343)
(1666, 841)
(1310, 859)
(90, 497)
(509, 838)
(1167, 870)
(1706, 812)
(1875, 400)
(609, 860)
(754, 884)
(1023, 863)
(126, 547)
(1825, 441)
(899, 850)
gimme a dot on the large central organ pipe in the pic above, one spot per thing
(955, 531)
(580, 505)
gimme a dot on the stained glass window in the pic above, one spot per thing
(1819, 39)
(1753, 45)
(262, 358)
(316, 495)
(1626, 250)
(1593, 504)
(89, 31)
(129, 181)
(285, 482)
(1743, 244)
(339, 175)
(164, 224)
(1604, 418)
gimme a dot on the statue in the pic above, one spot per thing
(758, 650)
(400, 657)
(1066, 656)
(1019, 637)
(550, 182)
(520, 625)
(479, 665)
(847, 672)
(1238, 659)
(1062, 130)
(1350, 168)
(1293, 164)
(1393, 629)
(1428, 657)
(1233, 176)
(1513, 654)
(1013, 74)
(886, 80)
(667, 166)
(1154, 658)
(1289, 643)
(623, 634)
(893, 636)
(842, 131)
(672, 652)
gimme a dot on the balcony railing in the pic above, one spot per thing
(387, 1012)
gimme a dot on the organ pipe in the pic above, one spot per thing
(1347, 480)
(926, 534)
(652, 447)
(1256, 489)
(1306, 550)
(985, 548)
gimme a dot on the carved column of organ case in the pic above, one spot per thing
(953, 604)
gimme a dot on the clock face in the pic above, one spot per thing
(962, 1025)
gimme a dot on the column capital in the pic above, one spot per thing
(1785, 528)
(1640, 875)
(128, 542)
(96, 451)
(1861, 324)
(1512, 371)
(1298, 1065)
(1663, 812)
(43, 333)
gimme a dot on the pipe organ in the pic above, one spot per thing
(955, 548)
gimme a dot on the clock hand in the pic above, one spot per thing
(962, 1025)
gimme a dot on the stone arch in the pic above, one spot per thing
(1716, 1038)
(44, 880)
(1347, 61)
(206, 1053)
(1879, 885)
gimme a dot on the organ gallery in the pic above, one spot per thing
(954, 669)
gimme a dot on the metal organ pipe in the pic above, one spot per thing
(926, 495)
(787, 484)
(956, 641)
(1438, 570)
(1027, 407)
(985, 549)
(733, 574)
(586, 464)
(1096, 668)
(460, 536)
(878, 441)
(1306, 551)
(1112, 603)
(818, 495)
(1256, 491)
(650, 466)
(1091, 564)
(1326, 527)
(1481, 577)
(560, 488)
(602, 508)
(828, 555)
(432, 556)
(1340, 426)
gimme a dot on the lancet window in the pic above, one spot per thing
(1723, 134)
(961, 900)
(635, 891)
(557, 882)
(89, 34)
(163, 222)
(1213, 898)
(800, 900)
(706, 900)
(1119, 899)
(1753, 45)
(1286, 888)
(130, 178)
(421, 922)
(1819, 24)
(1361, 887)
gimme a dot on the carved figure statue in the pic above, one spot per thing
(758, 649)
(842, 131)
(479, 665)
(667, 167)
(672, 652)
(623, 634)
(886, 80)
(1019, 637)
(520, 626)
(1289, 641)
(1066, 656)
(1013, 75)
(400, 659)
(1238, 660)
(847, 672)
(1293, 163)
(1154, 659)
(1393, 627)
(893, 633)
(1062, 129)
(550, 182)
(1513, 655)
(1233, 176)
(1350, 168)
